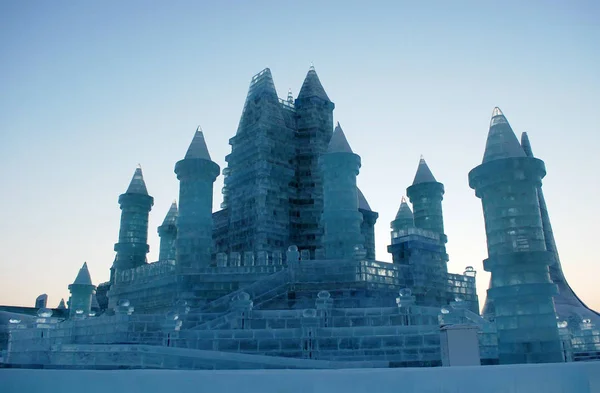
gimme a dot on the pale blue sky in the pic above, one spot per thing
(91, 89)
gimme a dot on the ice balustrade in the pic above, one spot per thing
(141, 273)
(418, 232)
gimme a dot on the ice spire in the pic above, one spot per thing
(423, 174)
(171, 216)
(404, 212)
(137, 185)
(526, 145)
(311, 87)
(339, 143)
(362, 201)
(61, 305)
(198, 147)
(83, 277)
(501, 141)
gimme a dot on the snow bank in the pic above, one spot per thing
(547, 378)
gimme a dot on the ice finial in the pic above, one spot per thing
(137, 184)
(199, 128)
(198, 147)
(423, 174)
(312, 66)
(501, 141)
(403, 200)
(290, 97)
(83, 277)
(311, 87)
(338, 142)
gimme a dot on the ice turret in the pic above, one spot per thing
(426, 196)
(404, 218)
(133, 233)
(82, 289)
(367, 228)
(196, 174)
(341, 219)
(168, 234)
(314, 124)
(521, 290)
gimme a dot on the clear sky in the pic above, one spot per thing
(90, 89)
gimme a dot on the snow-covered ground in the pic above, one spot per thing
(539, 378)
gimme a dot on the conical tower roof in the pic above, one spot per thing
(423, 174)
(501, 141)
(311, 87)
(137, 185)
(83, 277)
(526, 145)
(338, 142)
(362, 201)
(198, 147)
(171, 216)
(262, 104)
(404, 212)
(61, 305)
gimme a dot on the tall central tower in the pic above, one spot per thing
(259, 178)
(521, 288)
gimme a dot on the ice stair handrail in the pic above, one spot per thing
(255, 290)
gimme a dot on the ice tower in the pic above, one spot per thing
(82, 289)
(168, 234)
(521, 289)
(135, 206)
(258, 181)
(367, 227)
(314, 122)
(196, 174)
(568, 305)
(404, 218)
(341, 219)
(426, 196)
(418, 240)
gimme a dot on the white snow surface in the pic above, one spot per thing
(538, 378)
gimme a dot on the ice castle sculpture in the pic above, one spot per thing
(285, 275)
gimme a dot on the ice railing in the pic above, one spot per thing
(287, 104)
(150, 270)
(416, 231)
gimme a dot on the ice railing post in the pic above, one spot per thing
(405, 301)
(324, 304)
(310, 321)
(242, 304)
